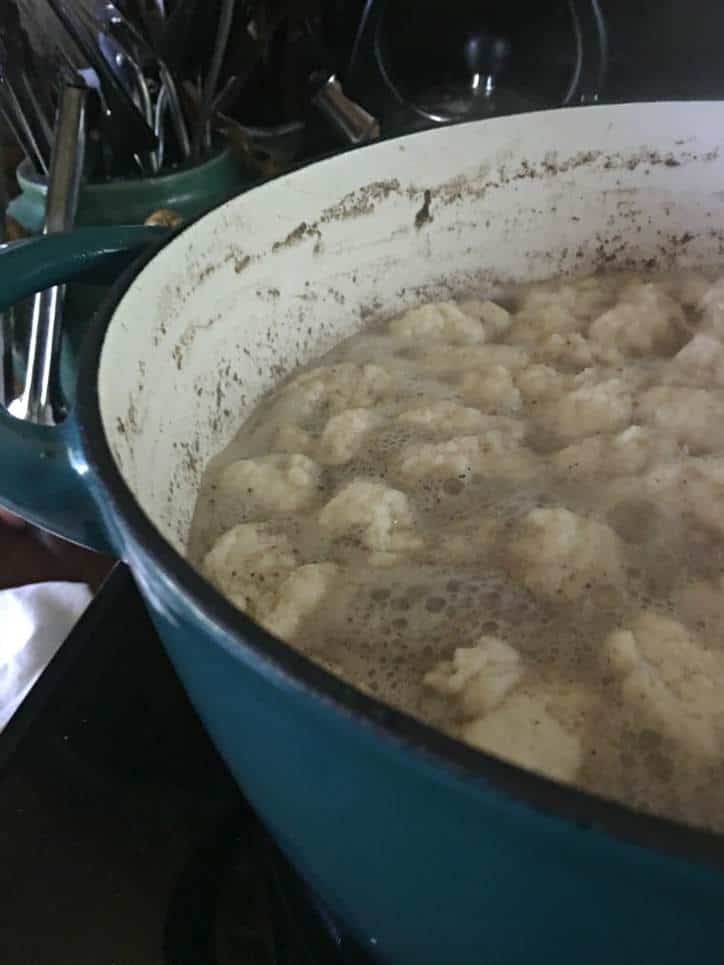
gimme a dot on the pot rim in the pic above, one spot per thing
(242, 637)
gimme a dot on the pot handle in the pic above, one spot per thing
(43, 474)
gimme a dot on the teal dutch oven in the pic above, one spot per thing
(430, 851)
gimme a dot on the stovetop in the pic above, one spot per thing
(124, 840)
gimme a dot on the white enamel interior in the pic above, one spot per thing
(276, 276)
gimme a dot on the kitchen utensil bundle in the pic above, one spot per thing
(138, 89)
(166, 77)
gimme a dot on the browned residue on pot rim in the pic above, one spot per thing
(606, 249)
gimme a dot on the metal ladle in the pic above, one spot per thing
(40, 401)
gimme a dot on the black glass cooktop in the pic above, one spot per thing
(123, 839)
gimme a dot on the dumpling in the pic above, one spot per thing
(673, 680)
(646, 321)
(559, 554)
(497, 453)
(591, 407)
(625, 454)
(445, 418)
(442, 322)
(344, 434)
(477, 678)
(276, 483)
(493, 389)
(332, 388)
(296, 598)
(248, 562)
(376, 515)
(525, 730)
(692, 417)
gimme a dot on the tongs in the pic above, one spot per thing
(41, 400)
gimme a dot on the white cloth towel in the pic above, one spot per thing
(34, 621)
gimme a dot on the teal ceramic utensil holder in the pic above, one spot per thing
(187, 191)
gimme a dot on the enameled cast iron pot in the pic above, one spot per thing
(432, 852)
